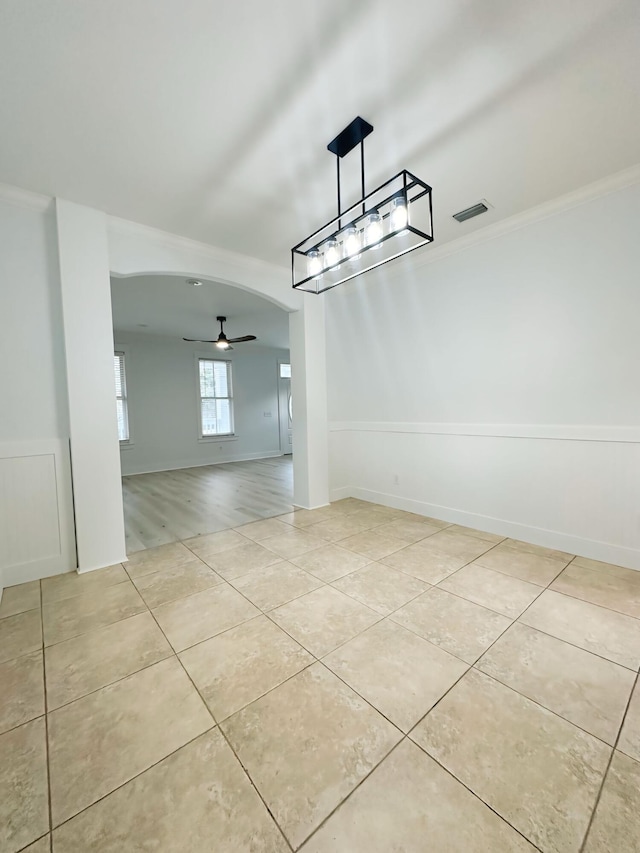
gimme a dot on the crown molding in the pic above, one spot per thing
(128, 228)
(25, 198)
(611, 184)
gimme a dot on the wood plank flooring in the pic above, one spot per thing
(171, 505)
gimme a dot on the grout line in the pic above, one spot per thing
(592, 603)
(46, 835)
(171, 653)
(46, 720)
(135, 776)
(540, 705)
(581, 648)
(477, 796)
(474, 666)
(608, 767)
(515, 577)
(323, 583)
(353, 790)
(350, 687)
(513, 620)
(224, 735)
(253, 785)
(21, 613)
(98, 627)
(470, 667)
(587, 601)
(384, 615)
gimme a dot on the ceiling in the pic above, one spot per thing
(167, 305)
(210, 118)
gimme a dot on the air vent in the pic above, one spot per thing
(470, 212)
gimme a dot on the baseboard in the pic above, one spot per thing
(339, 494)
(86, 571)
(181, 466)
(606, 552)
(35, 571)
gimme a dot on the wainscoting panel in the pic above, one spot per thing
(572, 488)
(36, 511)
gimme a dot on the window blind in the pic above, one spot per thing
(216, 413)
(121, 396)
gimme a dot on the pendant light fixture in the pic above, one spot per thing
(385, 224)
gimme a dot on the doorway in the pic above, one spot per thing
(285, 409)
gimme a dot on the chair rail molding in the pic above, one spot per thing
(553, 432)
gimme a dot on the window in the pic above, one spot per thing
(121, 396)
(285, 370)
(216, 402)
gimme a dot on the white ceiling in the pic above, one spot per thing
(210, 118)
(167, 305)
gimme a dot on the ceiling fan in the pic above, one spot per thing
(222, 341)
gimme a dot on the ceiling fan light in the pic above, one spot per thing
(222, 344)
(373, 231)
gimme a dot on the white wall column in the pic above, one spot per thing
(309, 396)
(88, 335)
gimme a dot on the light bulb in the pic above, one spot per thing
(314, 263)
(331, 253)
(399, 216)
(373, 229)
(351, 243)
(222, 344)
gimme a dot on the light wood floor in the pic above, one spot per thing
(171, 505)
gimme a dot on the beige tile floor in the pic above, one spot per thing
(352, 679)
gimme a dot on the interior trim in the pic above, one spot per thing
(550, 432)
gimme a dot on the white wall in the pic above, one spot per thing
(163, 403)
(36, 528)
(37, 249)
(309, 397)
(498, 386)
(86, 308)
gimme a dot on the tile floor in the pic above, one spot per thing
(351, 679)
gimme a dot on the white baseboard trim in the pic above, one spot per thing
(606, 552)
(339, 494)
(315, 506)
(180, 466)
(114, 562)
(36, 570)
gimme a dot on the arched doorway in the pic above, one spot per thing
(200, 427)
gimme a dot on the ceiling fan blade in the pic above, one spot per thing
(242, 339)
(197, 341)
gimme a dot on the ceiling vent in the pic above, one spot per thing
(470, 212)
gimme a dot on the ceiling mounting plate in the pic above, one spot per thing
(352, 135)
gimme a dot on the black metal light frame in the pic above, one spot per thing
(413, 235)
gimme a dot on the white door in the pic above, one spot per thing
(284, 406)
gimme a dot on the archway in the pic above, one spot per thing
(90, 246)
(200, 427)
